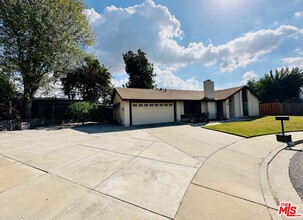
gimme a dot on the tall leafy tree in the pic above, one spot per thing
(41, 37)
(140, 71)
(279, 86)
(90, 81)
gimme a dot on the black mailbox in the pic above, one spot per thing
(285, 138)
(282, 118)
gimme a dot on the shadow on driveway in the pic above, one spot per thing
(107, 128)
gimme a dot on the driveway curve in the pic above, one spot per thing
(231, 183)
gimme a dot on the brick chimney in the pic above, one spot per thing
(209, 89)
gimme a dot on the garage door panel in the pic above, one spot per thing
(150, 113)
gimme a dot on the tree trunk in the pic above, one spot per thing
(27, 108)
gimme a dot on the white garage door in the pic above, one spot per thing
(149, 113)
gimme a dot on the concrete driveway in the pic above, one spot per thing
(107, 172)
(90, 172)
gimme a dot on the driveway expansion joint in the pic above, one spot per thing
(141, 207)
(134, 157)
(235, 196)
(26, 164)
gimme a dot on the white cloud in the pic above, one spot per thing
(157, 32)
(298, 14)
(119, 82)
(293, 61)
(248, 75)
(248, 48)
(92, 15)
(298, 51)
(167, 79)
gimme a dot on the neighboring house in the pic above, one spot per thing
(147, 106)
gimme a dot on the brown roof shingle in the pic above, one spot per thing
(171, 94)
(153, 94)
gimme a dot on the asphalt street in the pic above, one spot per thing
(296, 172)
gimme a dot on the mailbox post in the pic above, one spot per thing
(285, 138)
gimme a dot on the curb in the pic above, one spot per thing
(264, 180)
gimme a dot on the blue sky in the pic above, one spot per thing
(228, 41)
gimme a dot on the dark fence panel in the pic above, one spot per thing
(54, 110)
(293, 108)
(281, 108)
(270, 108)
(104, 114)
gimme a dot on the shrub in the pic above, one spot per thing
(81, 110)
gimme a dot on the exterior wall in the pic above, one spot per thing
(238, 108)
(121, 111)
(179, 109)
(236, 104)
(116, 113)
(212, 110)
(232, 107)
(125, 113)
(241, 104)
(117, 109)
(226, 109)
(203, 107)
(253, 104)
(117, 99)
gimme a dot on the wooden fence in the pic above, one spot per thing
(281, 108)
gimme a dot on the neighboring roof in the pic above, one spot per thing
(172, 94)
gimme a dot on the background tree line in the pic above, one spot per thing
(279, 86)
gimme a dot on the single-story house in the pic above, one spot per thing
(133, 106)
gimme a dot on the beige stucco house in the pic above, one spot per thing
(148, 106)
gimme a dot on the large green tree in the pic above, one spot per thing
(280, 86)
(39, 38)
(90, 81)
(140, 71)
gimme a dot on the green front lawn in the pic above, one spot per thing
(259, 126)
